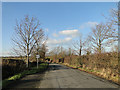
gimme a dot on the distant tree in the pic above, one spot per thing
(78, 45)
(61, 52)
(87, 46)
(27, 34)
(70, 55)
(55, 52)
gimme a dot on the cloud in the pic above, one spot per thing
(59, 41)
(67, 39)
(72, 33)
(51, 43)
(88, 24)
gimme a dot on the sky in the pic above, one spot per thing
(62, 21)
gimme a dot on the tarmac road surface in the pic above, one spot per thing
(60, 76)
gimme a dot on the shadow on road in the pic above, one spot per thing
(57, 67)
(29, 81)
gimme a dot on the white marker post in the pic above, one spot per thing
(37, 56)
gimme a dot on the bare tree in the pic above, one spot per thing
(27, 34)
(99, 37)
(78, 45)
(87, 46)
(113, 21)
(70, 56)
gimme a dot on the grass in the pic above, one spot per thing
(32, 70)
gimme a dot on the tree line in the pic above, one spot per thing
(102, 35)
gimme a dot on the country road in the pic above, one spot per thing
(59, 76)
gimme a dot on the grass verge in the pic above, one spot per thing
(32, 70)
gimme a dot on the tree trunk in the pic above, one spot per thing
(28, 56)
(27, 61)
(80, 52)
(100, 46)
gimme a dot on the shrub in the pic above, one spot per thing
(11, 67)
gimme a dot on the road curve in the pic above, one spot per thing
(60, 76)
